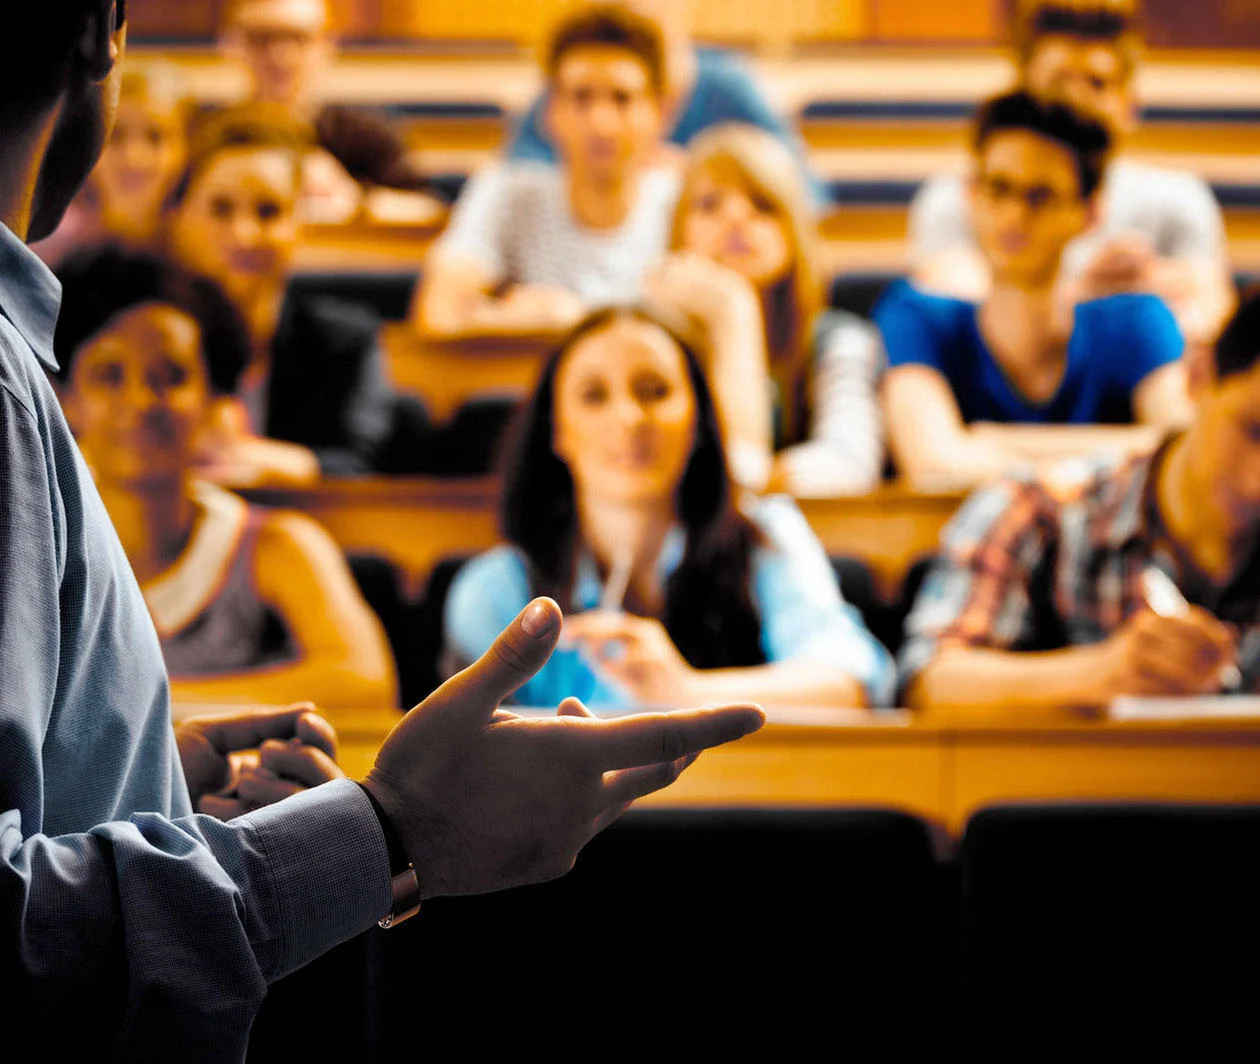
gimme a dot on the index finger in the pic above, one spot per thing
(249, 728)
(651, 738)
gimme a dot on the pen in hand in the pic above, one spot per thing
(1165, 600)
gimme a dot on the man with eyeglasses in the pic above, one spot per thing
(1158, 230)
(977, 389)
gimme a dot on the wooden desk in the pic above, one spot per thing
(448, 375)
(943, 770)
(414, 523)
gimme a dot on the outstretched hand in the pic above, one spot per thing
(483, 799)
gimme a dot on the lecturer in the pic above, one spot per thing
(135, 929)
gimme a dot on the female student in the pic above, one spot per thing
(617, 503)
(249, 604)
(796, 385)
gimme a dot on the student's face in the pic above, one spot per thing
(138, 395)
(1089, 76)
(285, 46)
(145, 155)
(238, 223)
(1224, 448)
(727, 221)
(602, 113)
(1026, 204)
(625, 414)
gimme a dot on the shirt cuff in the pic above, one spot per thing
(328, 868)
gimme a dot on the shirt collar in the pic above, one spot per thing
(30, 296)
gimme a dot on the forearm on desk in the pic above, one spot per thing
(1036, 443)
(784, 683)
(961, 677)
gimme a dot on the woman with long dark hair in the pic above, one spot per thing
(618, 504)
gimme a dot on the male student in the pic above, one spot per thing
(134, 929)
(1158, 230)
(706, 87)
(531, 247)
(1040, 599)
(975, 389)
(286, 48)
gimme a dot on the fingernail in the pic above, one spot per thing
(537, 620)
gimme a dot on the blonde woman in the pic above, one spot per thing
(795, 383)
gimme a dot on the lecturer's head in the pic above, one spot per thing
(59, 76)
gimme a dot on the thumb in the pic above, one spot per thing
(522, 648)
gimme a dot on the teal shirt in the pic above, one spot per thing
(128, 922)
(803, 614)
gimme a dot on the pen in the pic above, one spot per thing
(1165, 600)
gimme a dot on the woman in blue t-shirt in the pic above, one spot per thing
(617, 504)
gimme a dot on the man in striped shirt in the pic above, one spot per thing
(1037, 599)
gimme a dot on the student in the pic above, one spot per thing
(285, 48)
(248, 603)
(617, 504)
(147, 152)
(137, 929)
(975, 389)
(315, 380)
(1158, 230)
(706, 87)
(530, 247)
(744, 277)
(1038, 598)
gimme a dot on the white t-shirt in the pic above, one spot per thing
(514, 221)
(1175, 209)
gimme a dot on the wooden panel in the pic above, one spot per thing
(186, 20)
(979, 21)
(521, 21)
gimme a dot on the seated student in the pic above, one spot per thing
(315, 379)
(744, 276)
(617, 504)
(706, 87)
(529, 247)
(1158, 230)
(285, 48)
(957, 367)
(249, 604)
(1038, 598)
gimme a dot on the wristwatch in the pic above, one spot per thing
(404, 886)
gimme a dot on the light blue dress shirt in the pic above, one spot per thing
(131, 927)
(803, 614)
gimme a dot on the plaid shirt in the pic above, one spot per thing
(1039, 563)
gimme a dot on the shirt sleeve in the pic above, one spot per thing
(1143, 337)
(844, 454)
(1193, 226)
(480, 222)
(907, 329)
(803, 613)
(145, 931)
(530, 141)
(979, 591)
(939, 220)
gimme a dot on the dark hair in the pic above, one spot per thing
(609, 26)
(1111, 22)
(261, 125)
(1087, 140)
(1238, 348)
(99, 283)
(40, 39)
(709, 611)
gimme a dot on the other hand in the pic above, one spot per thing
(637, 654)
(698, 288)
(296, 747)
(483, 799)
(543, 308)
